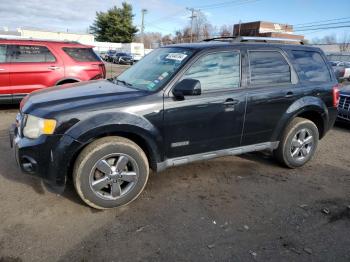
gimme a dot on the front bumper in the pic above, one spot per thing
(48, 157)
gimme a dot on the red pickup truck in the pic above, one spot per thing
(28, 65)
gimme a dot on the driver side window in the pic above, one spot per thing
(216, 71)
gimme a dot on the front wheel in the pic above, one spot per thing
(298, 144)
(110, 172)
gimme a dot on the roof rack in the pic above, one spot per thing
(241, 39)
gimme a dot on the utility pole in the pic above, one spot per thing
(143, 12)
(239, 28)
(192, 17)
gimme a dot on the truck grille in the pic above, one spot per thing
(344, 107)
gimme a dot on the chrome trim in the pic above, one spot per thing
(214, 154)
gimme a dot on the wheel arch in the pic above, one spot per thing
(311, 108)
(133, 127)
(67, 80)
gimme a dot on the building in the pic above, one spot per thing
(266, 29)
(47, 35)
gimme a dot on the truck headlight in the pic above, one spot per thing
(36, 126)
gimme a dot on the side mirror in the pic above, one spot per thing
(187, 87)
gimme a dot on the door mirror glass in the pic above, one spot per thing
(187, 87)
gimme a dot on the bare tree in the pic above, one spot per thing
(328, 39)
(226, 30)
(178, 36)
(152, 39)
(345, 43)
(167, 40)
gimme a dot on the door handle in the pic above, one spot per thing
(1, 69)
(53, 67)
(231, 102)
(289, 94)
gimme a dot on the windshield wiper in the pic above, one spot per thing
(123, 82)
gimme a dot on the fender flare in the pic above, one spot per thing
(122, 124)
(300, 106)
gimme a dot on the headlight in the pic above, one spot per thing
(36, 126)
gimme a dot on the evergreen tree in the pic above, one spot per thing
(115, 25)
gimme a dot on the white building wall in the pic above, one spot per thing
(60, 36)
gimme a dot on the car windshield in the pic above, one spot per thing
(155, 69)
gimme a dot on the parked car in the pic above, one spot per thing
(28, 65)
(137, 57)
(213, 99)
(341, 69)
(344, 104)
(123, 58)
(101, 54)
(109, 55)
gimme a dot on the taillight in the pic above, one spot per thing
(103, 70)
(336, 92)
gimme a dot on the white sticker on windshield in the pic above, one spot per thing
(176, 56)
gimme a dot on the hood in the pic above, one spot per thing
(84, 94)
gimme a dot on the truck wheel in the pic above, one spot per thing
(110, 172)
(298, 143)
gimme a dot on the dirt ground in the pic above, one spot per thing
(245, 208)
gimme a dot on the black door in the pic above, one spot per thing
(212, 120)
(272, 88)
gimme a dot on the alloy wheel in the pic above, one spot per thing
(302, 144)
(113, 176)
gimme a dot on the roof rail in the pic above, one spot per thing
(254, 39)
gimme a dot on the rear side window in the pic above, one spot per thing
(312, 66)
(3, 53)
(268, 67)
(30, 54)
(81, 54)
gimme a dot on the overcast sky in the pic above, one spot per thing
(167, 16)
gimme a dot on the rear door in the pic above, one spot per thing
(5, 90)
(84, 64)
(33, 67)
(272, 89)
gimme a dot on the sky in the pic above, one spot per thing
(170, 15)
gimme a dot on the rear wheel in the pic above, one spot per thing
(298, 144)
(110, 172)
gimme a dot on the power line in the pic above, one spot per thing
(225, 4)
(211, 5)
(326, 24)
(321, 21)
(206, 7)
(318, 28)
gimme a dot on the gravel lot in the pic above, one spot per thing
(244, 208)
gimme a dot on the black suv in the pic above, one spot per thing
(123, 58)
(180, 104)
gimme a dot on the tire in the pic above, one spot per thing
(298, 144)
(110, 172)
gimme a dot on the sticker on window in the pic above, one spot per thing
(176, 56)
